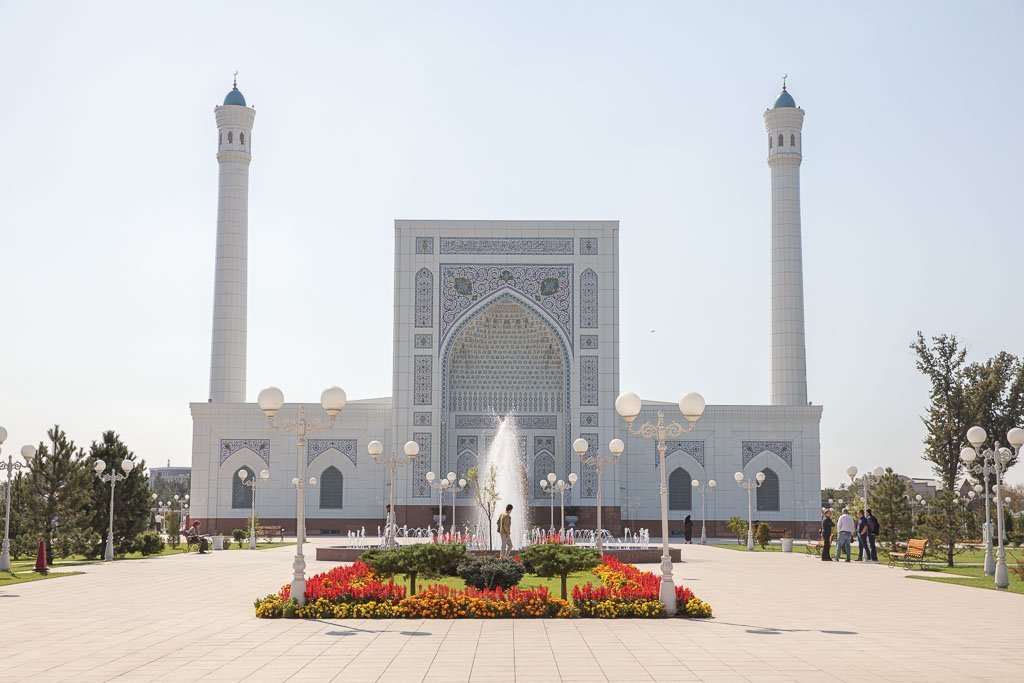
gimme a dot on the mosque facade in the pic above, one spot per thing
(493, 317)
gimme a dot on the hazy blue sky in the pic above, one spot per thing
(645, 112)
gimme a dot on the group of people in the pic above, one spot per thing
(866, 528)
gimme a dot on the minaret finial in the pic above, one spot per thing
(784, 77)
(235, 83)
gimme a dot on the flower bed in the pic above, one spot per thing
(356, 592)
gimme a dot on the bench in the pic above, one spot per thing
(913, 554)
(270, 533)
(813, 547)
(776, 534)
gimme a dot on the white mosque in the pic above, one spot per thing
(498, 316)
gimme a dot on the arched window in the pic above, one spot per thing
(332, 485)
(467, 460)
(680, 490)
(241, 495)
(241, 138)
(782, 140)
(230, 137)
(792, 140)
(768, 492)
(542, 464)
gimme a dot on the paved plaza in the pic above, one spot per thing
(777, 617)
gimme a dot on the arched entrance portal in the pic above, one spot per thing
(507, 357)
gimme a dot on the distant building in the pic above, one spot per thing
(927, 488)
(181, 475)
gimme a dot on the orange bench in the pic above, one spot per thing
(914, 553)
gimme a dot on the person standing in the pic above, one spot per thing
(826, 536)
(873, 528)
(688, 529)
(845, 526)
(863, 554)
(505, 531)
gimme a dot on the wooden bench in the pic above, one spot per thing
(776, 534)
(913, 554)
(813, 547)
(270, 533)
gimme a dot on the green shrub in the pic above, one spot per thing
(149, 543)
(428, 559)
(738, 527)
(491, 572)
(762, 534)
(240, 536)
(555, 559)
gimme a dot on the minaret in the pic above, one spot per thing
(234, 142)
(784, 122)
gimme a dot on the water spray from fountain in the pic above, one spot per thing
(510, 481)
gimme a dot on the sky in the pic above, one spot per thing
(649, 113)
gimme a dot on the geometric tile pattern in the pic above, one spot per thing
(588, 246)
(588, 299)
(588, 419)
(423, 341)
(543, 462)
(422, 419)
(421, 465)
(588, 380)
(317, 447)
(783, 449)
(588, 480)
(424, 245)
(549, 287)
(588, 342)
(424, 309)
(694, 448)
(260, 447)
(423, 380)
(506, 245)
(492, 421)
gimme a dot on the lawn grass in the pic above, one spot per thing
(27, 564)
(965, 557)
(553, 584)
(968, 576)
(27, 575)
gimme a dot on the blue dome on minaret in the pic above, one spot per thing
(236, 97)
(781, 102)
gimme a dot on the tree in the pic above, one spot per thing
(57, 503)
(556, 559)
(738, 526)
(945, 524)
(989, 394)
(485, 495)
(890, 504)
(132, 497)
(427, 559)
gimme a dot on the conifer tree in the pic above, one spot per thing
(132, 496)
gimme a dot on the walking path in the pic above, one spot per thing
(778, 617)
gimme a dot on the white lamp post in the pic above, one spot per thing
(27, 452)
(271, 400)
(993, 460)
(375, 449)
(441, 485)
(692, 407)
(113, 477)
(705, 488)
(597, 461)
(548, 487)
(252, 484)
(750, 485)
(454, 489)
(871, 478)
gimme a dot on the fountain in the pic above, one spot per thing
(510, 482)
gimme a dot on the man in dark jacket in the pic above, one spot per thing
(826, 536)
(873, 528)
(863, 553)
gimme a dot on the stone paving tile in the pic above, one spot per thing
(778, 617)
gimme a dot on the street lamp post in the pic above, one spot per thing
(999, 459)
(750, 485)
(27, 452)
(692, 407)
(375, 449)
(871, 477)
(561, 486)
(440, 485)
(252, 484)
(708, 487)
(548, 486)
(271, 400)
(113, 477)
(597, 461)
(454, 489)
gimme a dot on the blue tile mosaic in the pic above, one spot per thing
(783, 449)
(317, 447)
(507, 245)
(260, 447)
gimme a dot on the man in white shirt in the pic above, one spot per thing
(845, 526)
